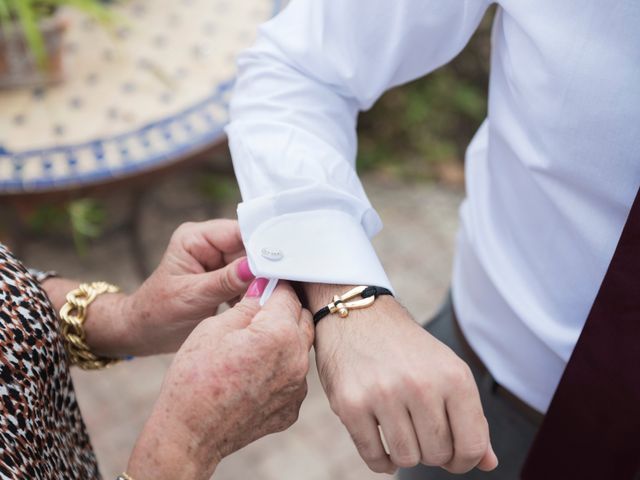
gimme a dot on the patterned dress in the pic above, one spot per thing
(42, 435)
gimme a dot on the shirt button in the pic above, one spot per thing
(273, 254)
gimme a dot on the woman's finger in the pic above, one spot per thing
(307, 330)
(213, 243)
(224, 284)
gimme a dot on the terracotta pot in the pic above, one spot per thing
(18, 66)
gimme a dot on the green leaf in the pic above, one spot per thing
(5, 13)
(29, 13)
(25, 12)
(220, 188)
(47, 219)
(93, 8)
(87, 218)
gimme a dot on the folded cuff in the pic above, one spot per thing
(319, 246)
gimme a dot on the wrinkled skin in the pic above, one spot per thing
(202, 267)
(237, 377)
(198, 272)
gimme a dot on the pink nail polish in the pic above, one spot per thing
(244, 272)
(257, 287)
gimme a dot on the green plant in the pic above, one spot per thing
(416, 130)
(87, 217)
(218, 187)
(28, 13)
(84, 218)
(48, 218)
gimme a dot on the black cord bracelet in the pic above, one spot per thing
(341, 305)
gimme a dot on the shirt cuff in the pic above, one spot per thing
(319, 246)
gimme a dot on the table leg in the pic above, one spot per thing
(138, 249)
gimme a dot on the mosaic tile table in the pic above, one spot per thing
(146, 95)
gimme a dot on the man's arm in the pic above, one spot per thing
(293, 125)
(305, 215)
(379, 367)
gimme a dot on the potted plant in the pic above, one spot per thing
(31, 34)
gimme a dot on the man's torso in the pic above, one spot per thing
(550, 179)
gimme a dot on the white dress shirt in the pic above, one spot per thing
(551, 173)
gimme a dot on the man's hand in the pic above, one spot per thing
(379, 367)
(238, 377)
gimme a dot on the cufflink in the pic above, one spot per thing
(273, 254)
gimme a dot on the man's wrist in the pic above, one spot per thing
(320, 295)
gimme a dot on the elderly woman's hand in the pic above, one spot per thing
(203, 267)
(238, 377)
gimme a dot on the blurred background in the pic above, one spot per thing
(111, 118)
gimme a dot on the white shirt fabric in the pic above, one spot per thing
(551, 173)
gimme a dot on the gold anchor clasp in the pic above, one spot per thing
(342, 307)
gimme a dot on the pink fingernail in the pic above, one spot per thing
(257, 287)
(244, 272)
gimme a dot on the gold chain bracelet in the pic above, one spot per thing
(73, 315)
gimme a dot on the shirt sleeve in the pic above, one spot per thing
(305, 215)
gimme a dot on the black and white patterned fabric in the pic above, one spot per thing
(42, 435)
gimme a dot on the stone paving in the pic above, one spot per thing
(416, 248)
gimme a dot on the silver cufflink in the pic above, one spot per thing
(273, 254)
